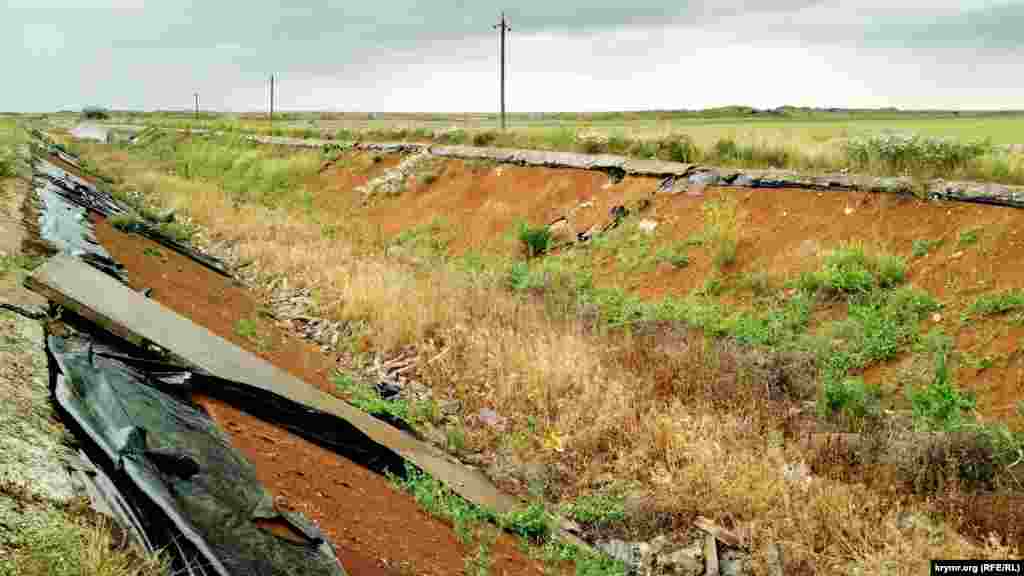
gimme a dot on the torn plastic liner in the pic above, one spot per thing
(63, 218)
(193, 494)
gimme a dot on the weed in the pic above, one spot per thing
(878, 325)
(677, 148)
(485, 138)
(722, 230)
(913, 154)
(940, 404)
(125, 222)
(365, 396)
(598, 510)
(851, 269)
(430, 239)
(248, 328)
(455, 438)
(535, 241)
(554, 553)
(674, 254)
(7, 164)
(12, 263)
(153, 252)
(921, 247)
(850, 397)
(758, 282)
(713, 287)
(480, 563)
(63, 543)
(533, 522)
(440, 501)
(968, 237)
(999, 303)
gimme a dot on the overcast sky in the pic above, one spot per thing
(403, 55)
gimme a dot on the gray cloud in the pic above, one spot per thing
(134, 53)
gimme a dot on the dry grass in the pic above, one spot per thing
(685, 423)
(70, 541)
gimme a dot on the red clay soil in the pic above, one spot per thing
(783, 232)
(376, 529)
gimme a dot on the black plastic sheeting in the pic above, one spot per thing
(179, 478)
(61, 191)
(63, 218)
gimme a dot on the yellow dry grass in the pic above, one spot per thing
(592, 401)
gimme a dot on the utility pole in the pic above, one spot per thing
(502, 28)
(271, 98)
(197, 104)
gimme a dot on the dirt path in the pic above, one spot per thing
(377, 529)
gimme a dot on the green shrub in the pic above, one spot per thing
(940, 404)
(891, 270)
(850, 397)
(346, 134)
(532, 522)
(642, 149)
(850, 269)
(6, 165)
(677, 148)
(600, 509)
(95, 113)
(846, 270)
(535, 241)
(457, 136)
(913, 154)
(726, 150)
(485, 138)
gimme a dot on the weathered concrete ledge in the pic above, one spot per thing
(978, 192)
(962, 191)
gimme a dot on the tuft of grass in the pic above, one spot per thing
(849, 397)
(532, 522)
(677, 148)
(19, 262)
(535, 241)
(249, 328)
(921, 247)
(940, 404)
(600, 509)
(438, 500)
(125, 222)
(914, 154)
(968, 237)
(722, 230)
(365, 396)
(852, 269)
(674, 254)
(62, 543)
